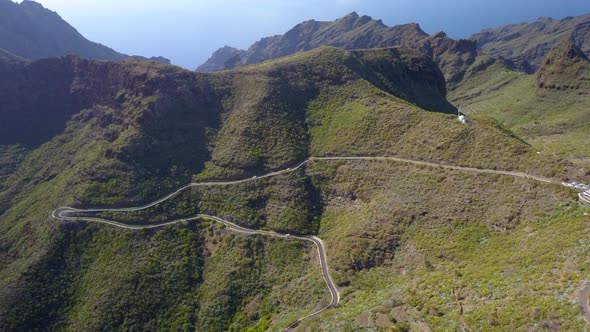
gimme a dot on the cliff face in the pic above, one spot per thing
(38, 97)
(29, 30)
(453, 57)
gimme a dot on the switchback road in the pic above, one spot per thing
(67, 213)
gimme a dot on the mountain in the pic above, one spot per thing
(31, 31)
(565, 67)
(352, 31)
(529, 43)
(349, 32)
(91, 133)
(549, 109)
(8, 57)
(219, 59)
(454, 57)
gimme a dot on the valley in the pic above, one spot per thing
(318, 180)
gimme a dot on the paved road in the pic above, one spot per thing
(583, 300)
(307, 161)
(65, 213)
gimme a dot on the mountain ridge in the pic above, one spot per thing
(366, 152)
(349, 32)
(529, 43)
(31, 31)
(565, 67)
(548, 108)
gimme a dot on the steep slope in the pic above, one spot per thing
(454, 57)
(565, 67)
(529, 43)
(29, 30)
(349, 32)
(6, 56)
(132, 131)
(548, 109)
(219, 59)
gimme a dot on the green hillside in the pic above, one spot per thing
(550, 109)
(528, 43)
(130, 132)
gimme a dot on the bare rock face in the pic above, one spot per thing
(453, 57)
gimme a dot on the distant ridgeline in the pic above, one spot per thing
(30, 31)
(521, 46)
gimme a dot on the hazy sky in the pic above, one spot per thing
(188, 31)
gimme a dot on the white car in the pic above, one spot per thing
(254, 177)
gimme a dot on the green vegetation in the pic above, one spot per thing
(529, 43)
(553, 121)
(416, 247)
(147, 128)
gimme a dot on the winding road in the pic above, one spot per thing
(64, 214)
(67, 214)
(584, 305)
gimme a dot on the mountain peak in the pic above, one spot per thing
(349, 32)
(568, 49)
(529, 43)
(31, 31)
(34, 5)
(351, 15)
(219, 59)
(565, 67)
(440, 34)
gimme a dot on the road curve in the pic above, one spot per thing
(341, 158)
(65, 213)
(584, 305)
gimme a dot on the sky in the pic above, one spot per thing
(188, 31)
